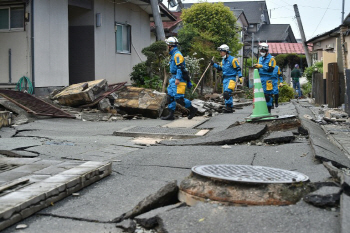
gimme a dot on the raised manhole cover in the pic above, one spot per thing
(249, 174)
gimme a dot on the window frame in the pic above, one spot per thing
(9, 29)
(128, 26)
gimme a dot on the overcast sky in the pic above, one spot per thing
(317, 16)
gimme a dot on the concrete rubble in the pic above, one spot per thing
(158, 210)
(143, 101)
(327, 196)
(279, 137)
(237, 134)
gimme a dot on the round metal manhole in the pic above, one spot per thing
(249, 174)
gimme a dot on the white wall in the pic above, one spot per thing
(19, 43)
(51, 43)
(116, 67)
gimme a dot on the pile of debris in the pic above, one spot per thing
(99, 101)
(326, 115)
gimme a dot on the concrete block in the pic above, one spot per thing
(81, 93)
(15, 218)
(52, 200)
(52, 170)
(7, 210)
(24, 199)
(32, 209)
(70, 181)
(143, 101)
(49, 189)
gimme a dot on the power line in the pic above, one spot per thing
(322, 18)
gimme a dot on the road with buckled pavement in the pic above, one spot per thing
(139, 170)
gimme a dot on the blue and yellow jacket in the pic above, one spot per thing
(278, 74)
(230, 67)
(175, 61)
(268, 65)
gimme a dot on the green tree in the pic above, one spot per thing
(150, 73)
(206, 26)
(289, 60)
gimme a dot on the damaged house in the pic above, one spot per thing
(56, 43)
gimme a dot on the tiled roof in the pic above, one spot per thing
(168, 26)
(283, 48)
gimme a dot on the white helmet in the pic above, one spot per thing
(224, 47)
(264, 46)
(171, 41)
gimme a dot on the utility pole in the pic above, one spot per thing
(157, 20)
(306, 49)
(342, 13)
(252, 49)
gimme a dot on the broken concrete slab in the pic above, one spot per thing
(97, 116)
(335, 172)
(237, 134)
(326, 196)
(206, 217)
(127, 225)
(345, 183)
(20, 116)
(7, 132)
(148, 220)
(186, 123)
(167, 195)
(344, 213)
(27, 200)
(81, 93)
(159, 132)
(279, 137)
(143, 101)
(322, 148)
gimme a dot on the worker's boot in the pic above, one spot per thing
(269, 108)
(276, 100)
(228, 109)
(170, 117)
(193, 112)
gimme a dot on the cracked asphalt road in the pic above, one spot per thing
(139, 171)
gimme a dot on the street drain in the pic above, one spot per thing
(244, 185)
(6, 167)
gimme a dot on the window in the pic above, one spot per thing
(123, 38)
(11, 18)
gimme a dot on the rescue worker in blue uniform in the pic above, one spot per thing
(266, 66)
(178, 81)
(277, 82)
(230, 69)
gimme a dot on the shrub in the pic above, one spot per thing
(138, 74)
(306, 88)
(188, 93)
(316, 67)
(286, 93)
(153, 82)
